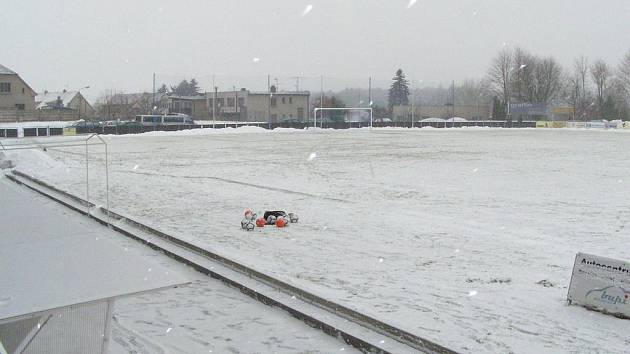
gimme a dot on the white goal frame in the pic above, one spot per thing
(341, 109)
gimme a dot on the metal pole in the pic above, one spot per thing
(412, 99)
(321, 99)
(87, 179)
(107, 181)
(214, 104)
(269, 102)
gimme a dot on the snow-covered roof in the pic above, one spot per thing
(457, 119)
(48, 99)
(6, 71)
(433, 120)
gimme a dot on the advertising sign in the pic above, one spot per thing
(601, 284)
(527, 108)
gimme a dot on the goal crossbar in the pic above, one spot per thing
(340, 109)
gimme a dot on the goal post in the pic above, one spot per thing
(369, 109)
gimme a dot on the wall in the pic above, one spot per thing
(9, 116)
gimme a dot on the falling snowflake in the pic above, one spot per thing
(135, 167)
(475, 170)
(312, 156)
(168, 329)
(381, 260)
(472, 293)
(256, 60)
(382, 341)
(307, 9)
(411, 3)
(148, 270)
(522, 66)
(457, 250)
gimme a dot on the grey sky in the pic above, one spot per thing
(118, 44)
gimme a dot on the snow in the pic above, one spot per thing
(37, 124)
(45, 99)
(6, 71)
(65, 258)
(468, 223)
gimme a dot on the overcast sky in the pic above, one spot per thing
(119, 44)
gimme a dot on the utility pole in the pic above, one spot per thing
(214, 104)
(321, 98)
(412, 99)
(269, 102)
(153, 105)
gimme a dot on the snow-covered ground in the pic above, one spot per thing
(451, 234)
(65, 258)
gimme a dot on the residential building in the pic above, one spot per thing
(244, 105)
(65, 100)
(15, 93)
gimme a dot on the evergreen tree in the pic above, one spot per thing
(498, 109)
(193, 87)
(163, 89)
(337, 116)
(399, 90)
(181, 89)
(609, 109)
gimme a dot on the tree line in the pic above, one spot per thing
(594, 90)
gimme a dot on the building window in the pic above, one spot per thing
(300, 113)
(5, 87)
(22, 89)
(290, 100)
(230, 101)
(274, 102)
(220, 102)
(283, 100)
(19, 107)
(241, 102)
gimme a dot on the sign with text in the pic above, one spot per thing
(601, 284)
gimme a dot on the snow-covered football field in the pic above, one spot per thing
(464, 236)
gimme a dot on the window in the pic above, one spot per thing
(290, 100)
(20, 106)
(220, 102)
(274, 102)
(241, 101)
(5, 87)
(300, 113)
(283, 100)
(22, 89)
(230, 101)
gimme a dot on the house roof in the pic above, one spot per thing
(46, 99)
(6, 71)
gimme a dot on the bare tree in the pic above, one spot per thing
(581, 70)
(523, 75)
(499, 74)
(601, 75)
(623, 74)
(547, 80)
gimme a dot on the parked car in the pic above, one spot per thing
(89, 124)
